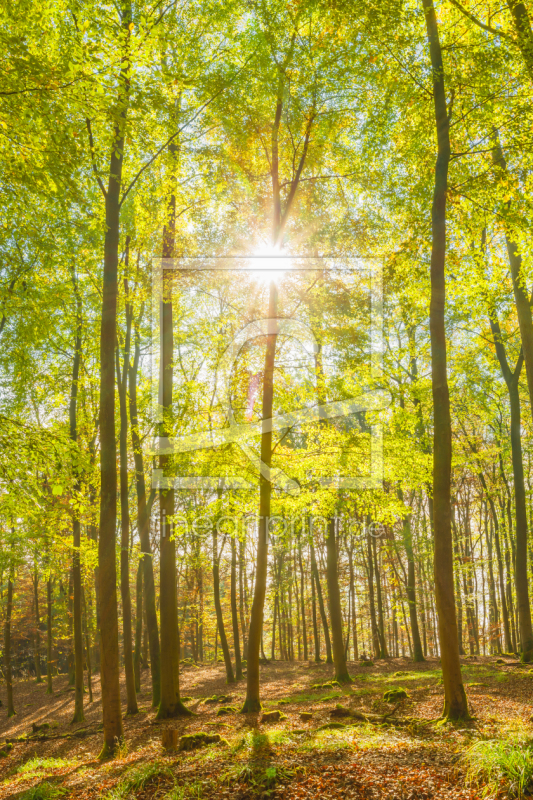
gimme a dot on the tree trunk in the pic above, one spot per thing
(334, 602)
(110, 670)
(137, 656)
(302, 599)
(170, 704)
(7, 642)
(521, 582)
(87, 646)
(234, 615)
(143, 526)
(455, 702)
(373, 623)
(49, 687)
(418, 655)
(323, 617)
(125, 593)
(381, 621)
(37, 652)
(252, 702)
(218, 609)
(76, 531)
(242, 581)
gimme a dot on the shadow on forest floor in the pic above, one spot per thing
(307, 753)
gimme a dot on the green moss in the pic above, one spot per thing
(225, 710)
(194, 741)
(394, 695)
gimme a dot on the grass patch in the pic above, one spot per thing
(37, 766)
(497, 764)
(44, 791)
(135, 780)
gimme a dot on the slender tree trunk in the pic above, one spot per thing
(455, 702)
(170, 705)
(418, 655)
(352, 594)
(110, 671)
(137, 655)
(37, 653)
(321, 606)
(252, 702)
(143, 526)
(76, 530)
(49, 610)
(234, 615)
(302, 599)
(334, 602)
(521, 578)
(87, 646)
(218, 609)
(7, 642)
(381, 620)
(125, 594)
(242, 579)
(373, 622)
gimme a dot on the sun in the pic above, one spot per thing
(268, 263)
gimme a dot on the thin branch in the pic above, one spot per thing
(480, 24)
(93, 162)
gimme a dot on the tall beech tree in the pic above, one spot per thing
(455, 702)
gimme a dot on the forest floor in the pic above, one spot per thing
(409, 756)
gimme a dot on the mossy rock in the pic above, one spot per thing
(327, 685)
(395, 695)
(219, 698)
(193, 741)
(43, 727)
(272, 716)
(224, 711)
(367, 663)
(500, 661)
(340, 711)
(186, 699)
(400, 673)
(5, 749)
(332, 726)
(244, 662)
(283, 702)
(306, 715)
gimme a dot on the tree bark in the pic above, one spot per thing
(455, 702)
(321, 607)
(521, 578)
(234, 615)
(218, 609)
(110, 671)
(76, 530)
(137, 655)
(143, 526)
(125, 593)
(37, 652)
(334, 602)
(49, 686)
(252, 702)
(7, 642)
(302, 599)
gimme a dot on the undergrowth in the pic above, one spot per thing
(496, 764)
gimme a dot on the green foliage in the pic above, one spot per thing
(499, 764)
(136, 778)
(44, 791)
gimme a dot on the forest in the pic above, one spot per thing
(266, 399)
